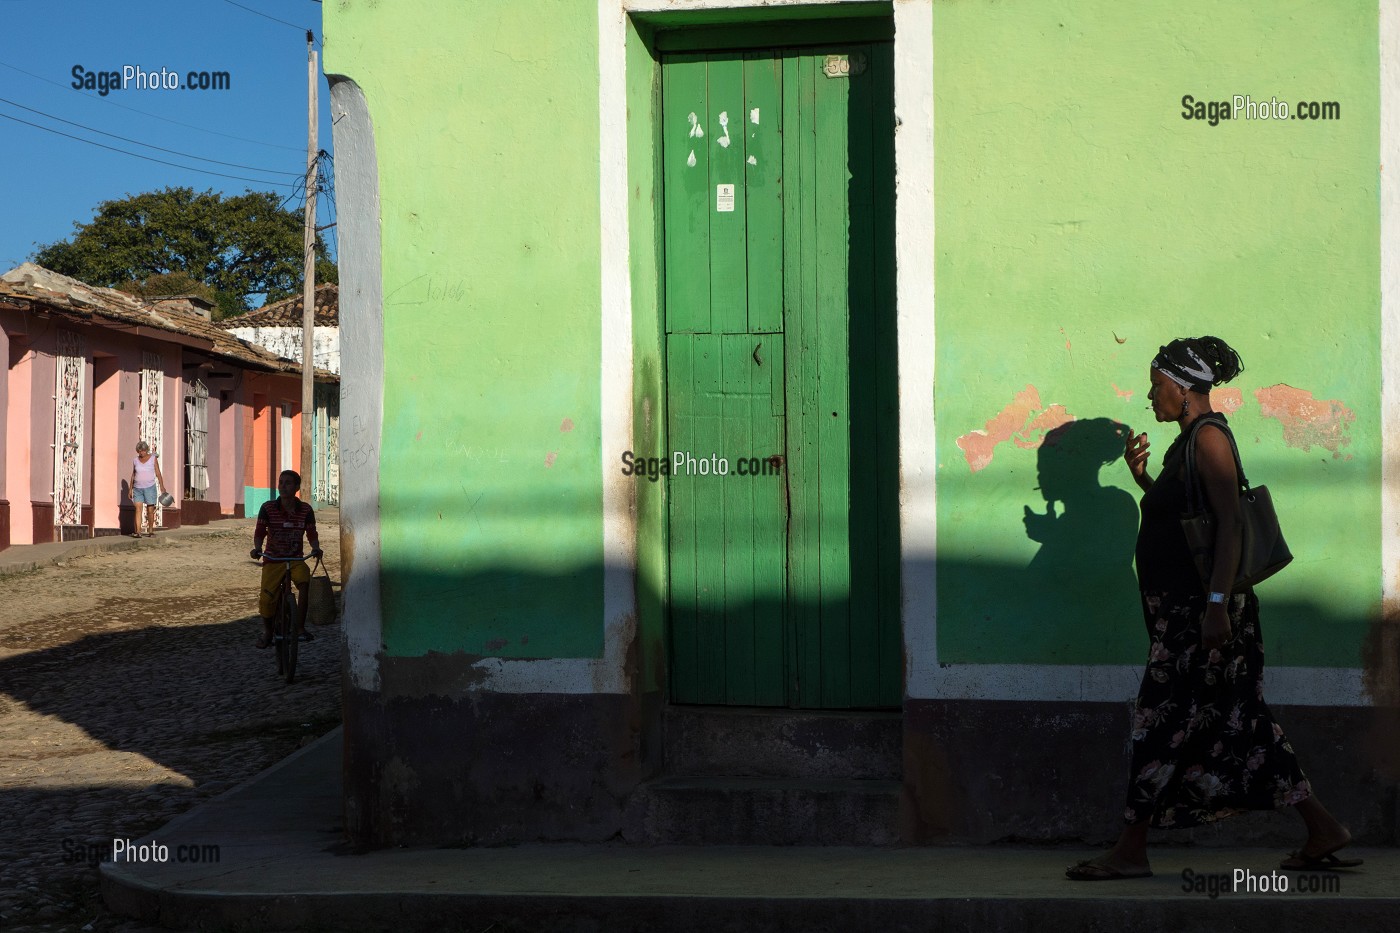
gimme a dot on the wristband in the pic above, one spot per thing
(1217, 599)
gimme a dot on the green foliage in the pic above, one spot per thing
(235, 246)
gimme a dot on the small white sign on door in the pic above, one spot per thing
(724, 199)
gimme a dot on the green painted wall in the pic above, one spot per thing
(1082, 222)
(487, 143)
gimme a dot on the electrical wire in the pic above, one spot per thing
(144, 113)
(137, 155)
(265, 16)
(186, 155)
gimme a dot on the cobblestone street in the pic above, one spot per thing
(130, 691)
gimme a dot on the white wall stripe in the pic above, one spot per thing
(1390, 310)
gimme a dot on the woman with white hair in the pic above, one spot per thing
(146, 485)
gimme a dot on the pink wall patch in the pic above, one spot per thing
(1024, 422)
(549, 459)
(567, 425)
(1307, 421)
(1226, 400)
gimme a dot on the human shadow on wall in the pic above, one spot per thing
(1076, 601)
(1085, 523)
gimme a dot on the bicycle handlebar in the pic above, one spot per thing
(284, 560)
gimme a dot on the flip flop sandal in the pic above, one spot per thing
(305, 636)
(1089, 870)
(262, 643)
(1328, 861)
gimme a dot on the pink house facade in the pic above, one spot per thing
(92, 371)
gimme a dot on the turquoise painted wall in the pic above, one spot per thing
(1082, 222)
(486, 128)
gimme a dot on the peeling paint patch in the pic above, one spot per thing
(691, 160)
(753, 116)
(1024, 422)
(1125, 394)
(566, 425)
(549, 458)
(1307, 421)
(1226, 400)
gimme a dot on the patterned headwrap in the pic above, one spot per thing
(1180, 363)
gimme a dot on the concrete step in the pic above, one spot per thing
(701, 810)
(778, 743)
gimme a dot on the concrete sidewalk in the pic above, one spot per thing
(282, 865)
(25, 557)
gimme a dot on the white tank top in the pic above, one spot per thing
(145, 472)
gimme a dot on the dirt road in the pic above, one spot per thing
(130, 691)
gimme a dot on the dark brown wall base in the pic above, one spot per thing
(106, 532)
(985, 771)
(43, 522)
(199, 512)
(4, 524)
(484, 768)
(238, 511)
(170, 518)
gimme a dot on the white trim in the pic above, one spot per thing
(1390, 312)
(362, 384)
(914, 300)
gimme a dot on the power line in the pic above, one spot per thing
(188, 126)
(188, 168)
(187, 155)
(264, 15)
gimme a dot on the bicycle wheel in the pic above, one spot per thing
(289, 625)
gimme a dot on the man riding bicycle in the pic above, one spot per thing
(282, 522)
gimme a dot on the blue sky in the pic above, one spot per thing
(49, 181)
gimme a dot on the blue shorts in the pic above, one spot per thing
(146, 494)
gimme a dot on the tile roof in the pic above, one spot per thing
(42, 289)
(287, 312)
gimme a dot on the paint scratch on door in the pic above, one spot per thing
(1306, 420)
(1024, 422)
(753, 116)
(696, 130)
(752, 161)
(691, 160)
(724, 128)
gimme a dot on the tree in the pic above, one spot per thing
(238, 246)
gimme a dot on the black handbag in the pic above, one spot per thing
(1263, 552)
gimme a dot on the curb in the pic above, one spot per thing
(61, 551)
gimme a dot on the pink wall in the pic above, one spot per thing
(17, 443)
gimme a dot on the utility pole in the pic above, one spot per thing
(308, 292)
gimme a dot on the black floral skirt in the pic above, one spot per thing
(1204, 745)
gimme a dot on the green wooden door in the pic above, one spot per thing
(778, 175)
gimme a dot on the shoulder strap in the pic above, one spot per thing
(1195, 495)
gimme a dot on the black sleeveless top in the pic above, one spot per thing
(1163, 559)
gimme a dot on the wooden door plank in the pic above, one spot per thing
(763, 171)
(804, 583)
(863, 367)
(687, 194)
(710, 519)
(725, 133)
(887, 386)
(741, 400)
(833, 440)
(769, 497)
(681, 537)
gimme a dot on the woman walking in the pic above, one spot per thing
(146, 485)
(1204, 744)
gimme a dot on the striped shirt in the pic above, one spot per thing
(284, 528)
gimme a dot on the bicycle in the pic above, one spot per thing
(284, 620)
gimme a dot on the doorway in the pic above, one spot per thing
(783, 546)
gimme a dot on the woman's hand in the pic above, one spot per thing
(1215, 627)
(1135, 454)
